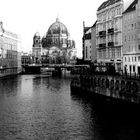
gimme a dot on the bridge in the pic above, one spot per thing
(56, 68)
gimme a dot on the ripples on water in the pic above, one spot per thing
(41, 108)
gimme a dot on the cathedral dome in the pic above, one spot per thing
(57, 28)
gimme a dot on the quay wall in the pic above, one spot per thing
(111, 87)
(7, 72)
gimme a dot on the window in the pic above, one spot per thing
(86, 52)
(125, 38)
(135, 25)
(138, 58)
(130, 68)
(133, 68)
(132, 26)
(139, 47)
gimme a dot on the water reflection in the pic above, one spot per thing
(26, 87)
(9, 86)
(111, 123)
(43, 108)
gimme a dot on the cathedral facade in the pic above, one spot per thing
(55, 47)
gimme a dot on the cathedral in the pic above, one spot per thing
(55, 47)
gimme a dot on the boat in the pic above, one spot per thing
(46, 71)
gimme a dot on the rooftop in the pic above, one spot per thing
(107, 3)
(132, 7)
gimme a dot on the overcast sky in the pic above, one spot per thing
(25, 17)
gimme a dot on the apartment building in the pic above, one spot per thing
(10, 57)
(131, 38)
(109, 33)
(86, 43)
(93, 43)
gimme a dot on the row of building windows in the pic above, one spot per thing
(130, 48)
(109, 14)
(109, 54)
(130, 27)
(132, 59)
(131, 68)
(8, 63)
(8, 71)
(8, 46)
(129, 16)
(8, 40)
(57, 41)
(104, 26)
(8, 54)
(111, 38)
(128, 38)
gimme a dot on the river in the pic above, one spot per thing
(41, 108)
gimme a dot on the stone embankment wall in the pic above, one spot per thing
(115, 87)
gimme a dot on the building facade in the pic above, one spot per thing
(109, 33)
(93, 43)
(10, 56)
(56, 46)
(131, 38)
(131, 46)
(37, 48)
(26, 59)
(86, 43)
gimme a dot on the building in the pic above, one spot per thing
(86, 43)
(56, 46)
(109, 33)
(89, 44)
(37, 48)
(131, 38)
(10, 57)
(93, 43)
(26, 58)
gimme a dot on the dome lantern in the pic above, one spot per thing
(57, 19)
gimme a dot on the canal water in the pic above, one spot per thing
(41, 108)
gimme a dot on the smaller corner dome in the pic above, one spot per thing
(57, 28)
(37, 34)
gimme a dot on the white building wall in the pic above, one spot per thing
(87, 49)
(10, 58)
(131, 41)
(93, 44)
(107, 18)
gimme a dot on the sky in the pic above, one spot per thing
(26, 17)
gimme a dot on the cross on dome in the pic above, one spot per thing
(57, 19)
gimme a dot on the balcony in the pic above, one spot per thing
(110, 44)
(102, 33)
(103, 45)
(111, 31)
